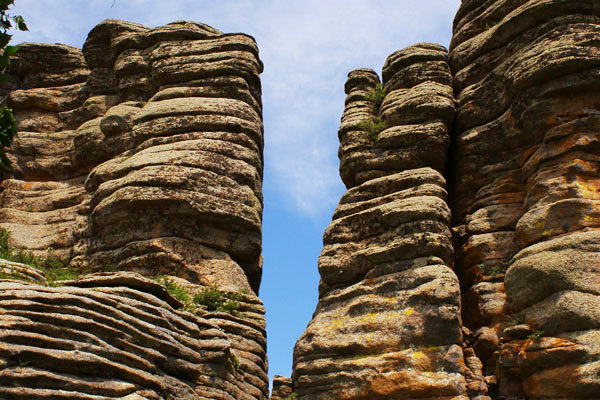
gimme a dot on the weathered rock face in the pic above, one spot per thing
(525, 191)
(387, 324)
(111, 336)
(143, 153)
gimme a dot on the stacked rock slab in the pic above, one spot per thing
(143, 153)
(525, 192)
(387, 324)
(115, 336)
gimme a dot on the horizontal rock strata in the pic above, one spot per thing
(117, 336)
(387, 324)
(525, 190)
(144, 153)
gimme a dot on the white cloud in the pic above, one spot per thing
(308, 47)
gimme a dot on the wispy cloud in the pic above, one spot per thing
(308, 47)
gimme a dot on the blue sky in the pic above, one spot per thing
(308, 47)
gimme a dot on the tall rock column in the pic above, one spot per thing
(387, 324)
(140, 156)
(525, 194)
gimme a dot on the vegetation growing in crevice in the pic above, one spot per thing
(209, 299)
(376, 96)
(374, 125)
(215, 300)
(54, 268)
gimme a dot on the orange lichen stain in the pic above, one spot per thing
(369, 281)
(26, 185)
(409, 311)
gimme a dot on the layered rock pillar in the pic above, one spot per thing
(387, 324)
(525, 192)
(143, 153)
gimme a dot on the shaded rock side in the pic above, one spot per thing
(387, 324)
(144, 153)
(524, 191)
(282, 388)
(111, 336)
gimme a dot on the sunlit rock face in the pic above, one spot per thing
(515, 107)
(525, 192)
(387, 324)
(143, 153)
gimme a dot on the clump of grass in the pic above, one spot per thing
(373, 127)
(215, 300)
(292, 396)
(208, 299)
(493, 270)
(175, 290)
(54, 268)
(376, 96)
(537, 336)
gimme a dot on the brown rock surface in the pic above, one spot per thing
(142, 153)
(524, 191)
(111, 338)
(387, 324)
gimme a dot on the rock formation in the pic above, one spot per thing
(525, 192)
(141, 153)
(387, 323)
(515, 105)
(462, 263)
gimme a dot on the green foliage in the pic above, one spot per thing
(215, 300)
(466, 179)
(376, 96)
(175, 290)
(372, 127)
(293, 396)
(8, 129)
(515, 319)
(208, 299)
(55, 268)
(491, 270)
(537, 336)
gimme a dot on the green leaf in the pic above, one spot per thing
(10, 50)
(4, 39)
(4, 60)
(20, 23)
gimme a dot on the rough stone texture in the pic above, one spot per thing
(117, 336)
(524, 192)
(387, 324)
(144, 153)
(282, 387)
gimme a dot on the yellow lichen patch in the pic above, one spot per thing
(409, 311)
(540, 224)
(417, 354)
(370, 317)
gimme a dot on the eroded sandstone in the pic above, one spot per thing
(141, 153)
